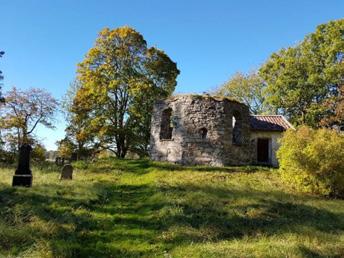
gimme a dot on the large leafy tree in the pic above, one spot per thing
(120, 80)
(66, 148)
(23, 111)
(77, 140)
(248, 89)
(304, 81)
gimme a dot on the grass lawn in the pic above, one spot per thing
(140, 208)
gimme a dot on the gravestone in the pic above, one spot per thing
(67, 172)
(23, 175)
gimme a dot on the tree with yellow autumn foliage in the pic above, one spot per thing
(120, 79)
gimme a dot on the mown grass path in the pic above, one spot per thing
(145, 209)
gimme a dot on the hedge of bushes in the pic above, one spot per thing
(312, 161)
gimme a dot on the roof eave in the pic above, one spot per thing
(262, 130)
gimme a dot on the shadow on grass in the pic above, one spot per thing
(308, 253)
(114, 165)
(141, 220)
(144, 166)
(269, 214)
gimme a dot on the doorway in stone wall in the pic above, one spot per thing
(263, 150)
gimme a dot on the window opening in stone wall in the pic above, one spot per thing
(237, 128)
(166, 127)
(203, 133)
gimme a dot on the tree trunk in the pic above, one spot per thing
(121, 147)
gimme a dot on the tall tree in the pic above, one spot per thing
(248, 89)
(120, 80)
(65, 148)
(304, 81)
(24, 110)
(77, 140)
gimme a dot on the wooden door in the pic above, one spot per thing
(263, 150)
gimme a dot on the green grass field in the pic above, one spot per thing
(140, 208)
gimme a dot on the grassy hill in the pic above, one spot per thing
(140, 208)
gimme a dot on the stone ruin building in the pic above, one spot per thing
(216, 131)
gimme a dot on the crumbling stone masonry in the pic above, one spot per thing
(201, 129)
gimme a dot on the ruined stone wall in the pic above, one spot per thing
(202, 131)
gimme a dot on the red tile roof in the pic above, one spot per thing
(269, 123)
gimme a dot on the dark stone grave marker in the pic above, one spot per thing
(23, 174)
(67, 172)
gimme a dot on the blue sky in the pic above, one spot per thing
(210, 40)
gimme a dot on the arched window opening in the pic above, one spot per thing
(166, 127)
(237, 128)
(203, 133)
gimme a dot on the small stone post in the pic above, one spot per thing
(23, 175)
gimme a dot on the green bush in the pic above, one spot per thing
(312, 161)
(38, 153)
(81, 164)
(7, 158)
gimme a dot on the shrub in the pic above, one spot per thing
(7, 157)
(81, 164)
(38, 153)
(312, 161)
